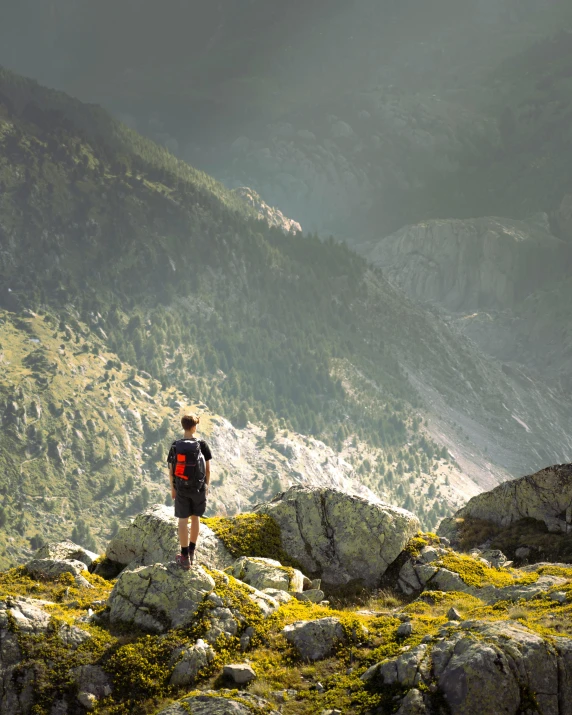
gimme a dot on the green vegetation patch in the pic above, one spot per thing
(255, 535)
(478, 575)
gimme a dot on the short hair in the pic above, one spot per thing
(190, 421)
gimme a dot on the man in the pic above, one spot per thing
(189, 474)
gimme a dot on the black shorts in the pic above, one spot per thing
(190, 504)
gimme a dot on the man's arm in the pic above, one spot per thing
(208, 475)
(173, 490)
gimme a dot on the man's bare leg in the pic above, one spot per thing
(195, 528)
(184, 532)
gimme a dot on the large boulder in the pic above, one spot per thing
(152, 538)
(482, 667)
(339, 537)
(267, 573)
(66, 551)
(220, 702)
(545, 496)
(159, 597)
(54, 568)
(315, 640)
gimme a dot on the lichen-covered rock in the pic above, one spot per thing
(416, 576)
(17, 682)
(189, 661)
(240, 673)
(278, 595)
(52, 568)
(315, 640)
(92, 684)
(222, 623)
(66, 551)
(483, 667)
(313, 595)
(339, 537)
(220, 702)
(545, 496)
(152, 538)
(267, 573)
(159, 597)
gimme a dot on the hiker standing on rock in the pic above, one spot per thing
(189, 474)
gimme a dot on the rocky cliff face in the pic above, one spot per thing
(471, 265)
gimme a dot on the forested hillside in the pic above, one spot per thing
(171, 275)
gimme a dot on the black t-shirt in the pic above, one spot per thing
(205, 449)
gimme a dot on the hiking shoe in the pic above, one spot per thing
(183, 561)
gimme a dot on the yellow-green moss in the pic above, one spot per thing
(251, 535)
(476, 574)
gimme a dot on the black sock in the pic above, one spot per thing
(192, 547)
(185, 550)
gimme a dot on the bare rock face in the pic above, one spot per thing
(482, 667)
(469, 264)
(189, 661)
(159, 597)
(273, 216)
(545, 496)
(152, 538)
(339, 537)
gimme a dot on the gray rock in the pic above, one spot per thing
(496, 558)
(545, 496)
(152, 539)
(413, 704)
(240, 673)
(66, 551)
(315, 640)
(313, 596)
(454, 615)
(405, 630)
(245, 638)
(272, 216)
(483, 668)
(220, 702)
(340, 537)
(267, 573)
(222, 623)
(278, 595)
(159, 597)
(189, 662)
(52, 568)
(92, 685)
(559, 596)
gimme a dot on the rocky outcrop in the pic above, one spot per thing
(66, 551)
(469, 264)
(315, 640)
(189, 661)
(220, 702)
(152, 538)
(273, 216)
(428, 572)
(479, 667)
(267, 573)
(25, 617)
(159, 597)
(92, 684)
(338, 537)
(52, 568)
(545, 496)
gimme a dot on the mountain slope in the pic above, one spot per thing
(162, 268)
